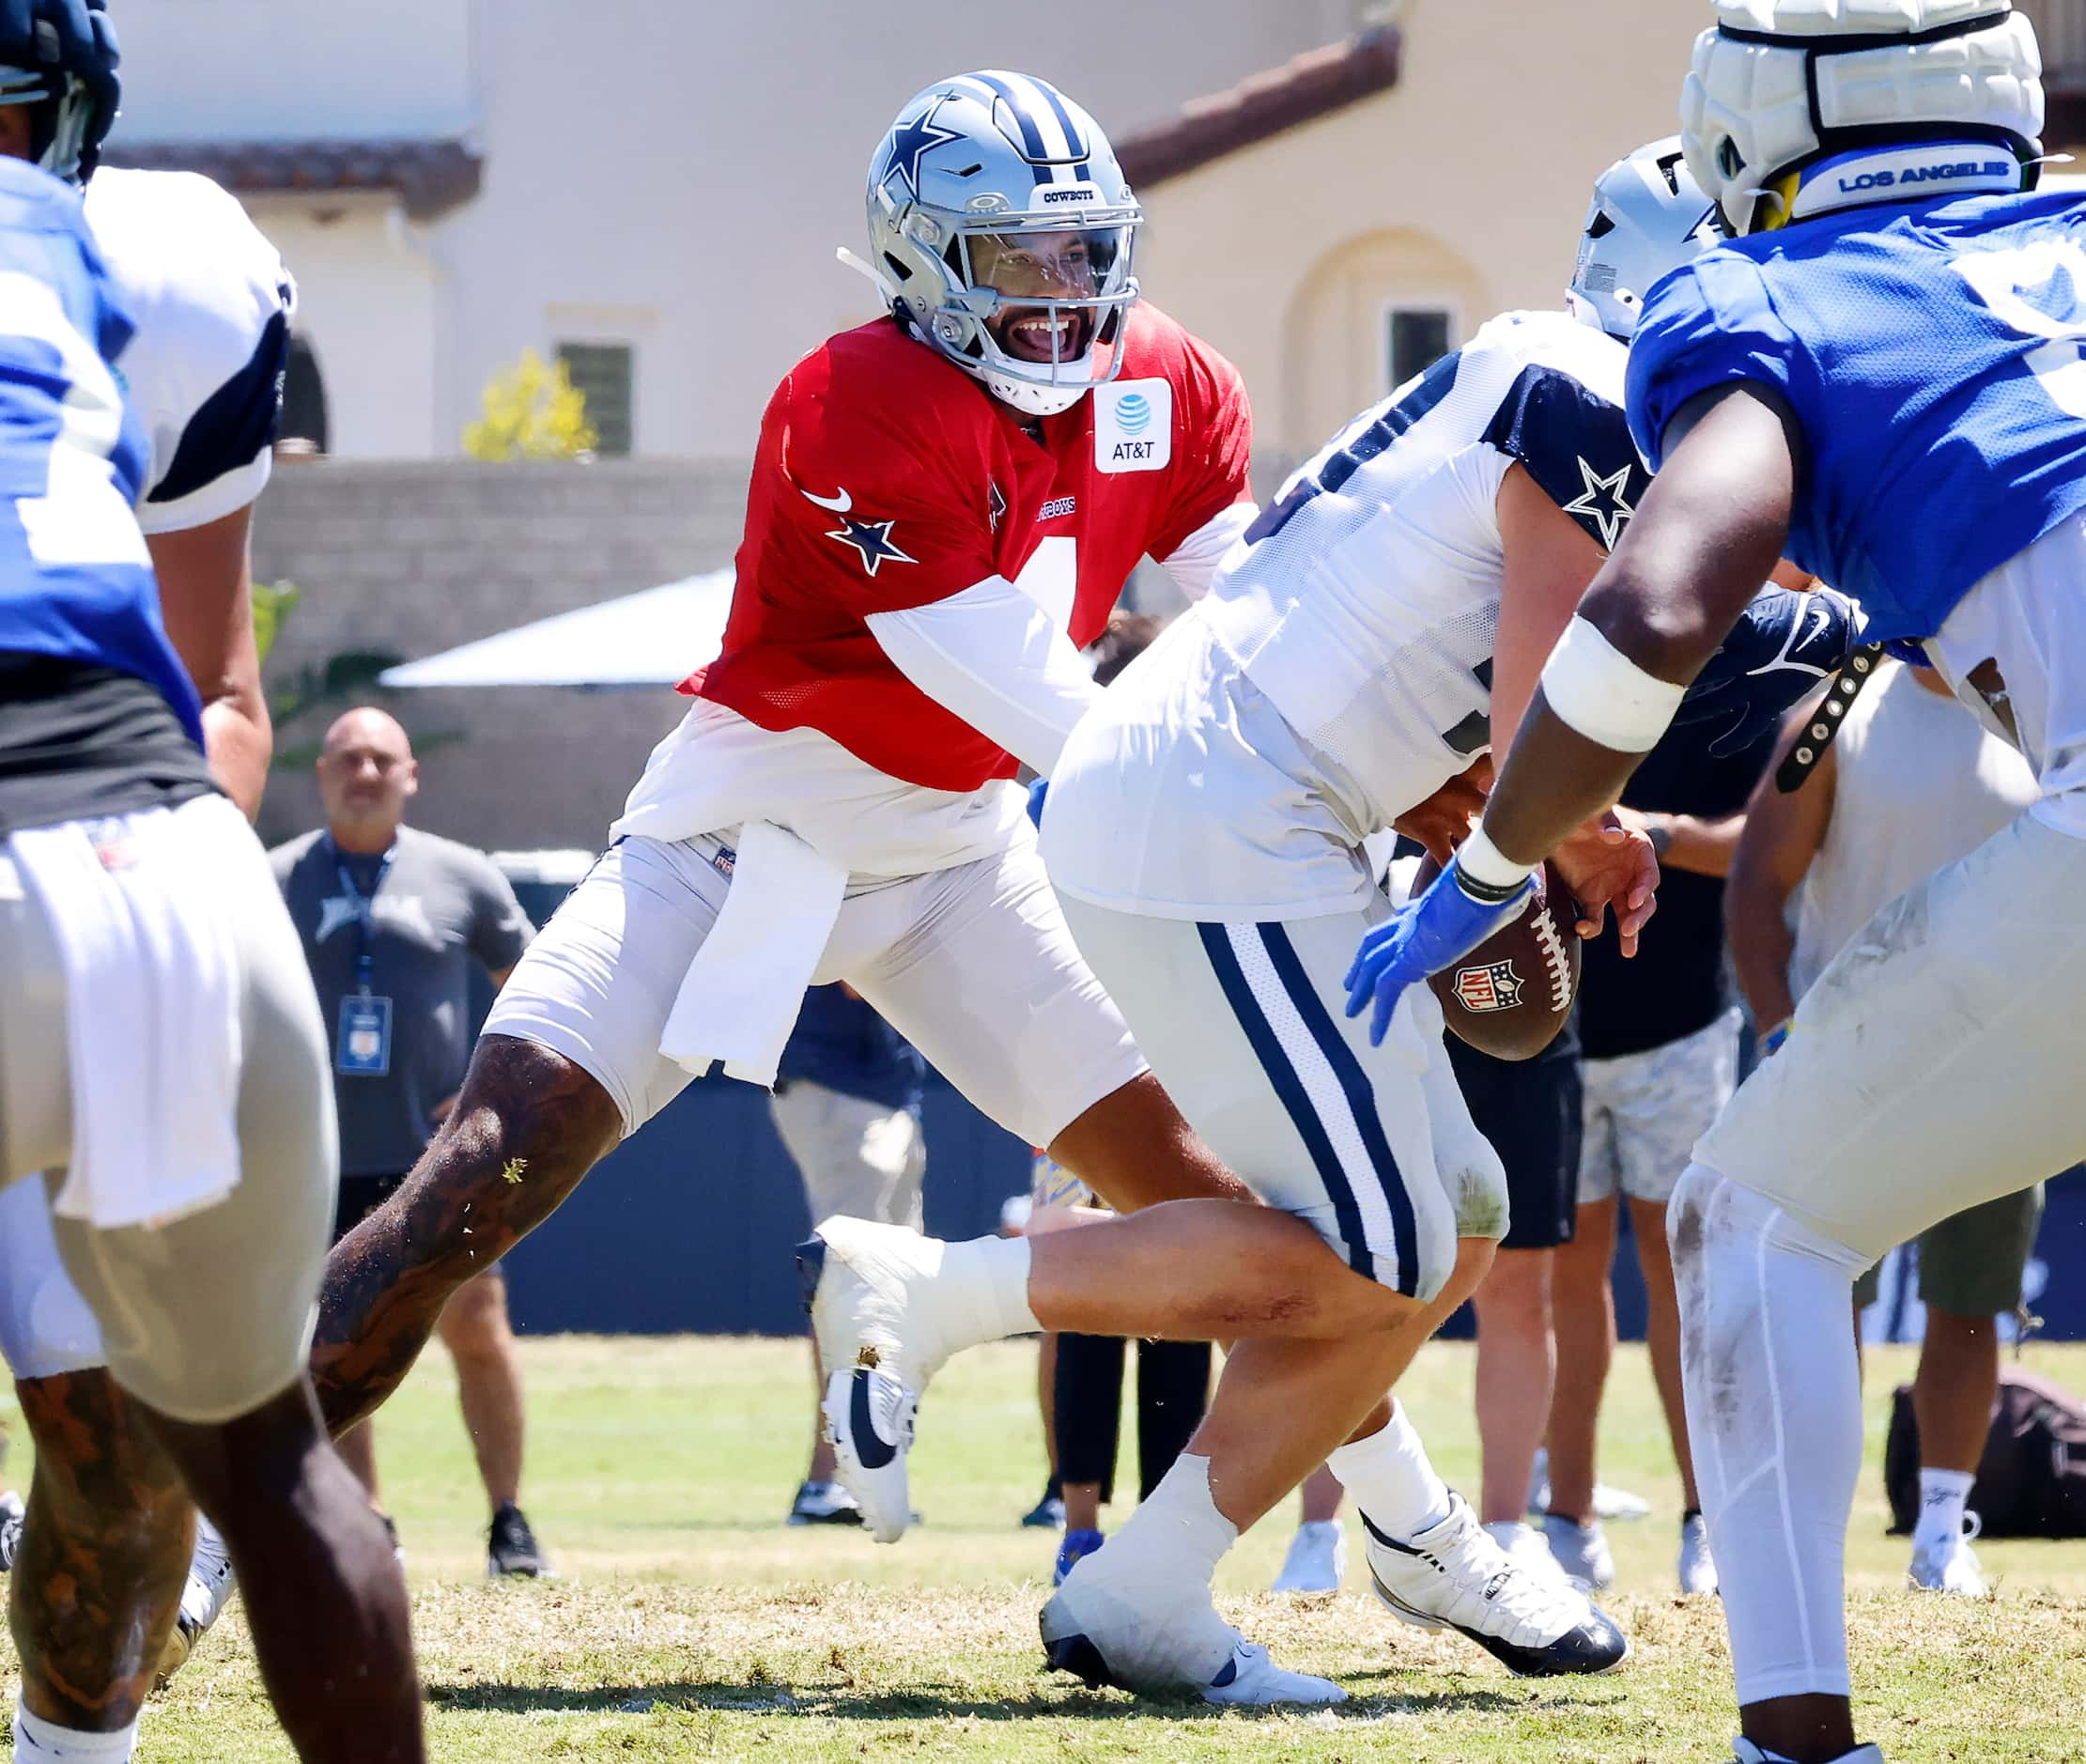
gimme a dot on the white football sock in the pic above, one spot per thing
(982, 1290)
(44, 1742)
(1943, 1496)
(1145, 1600)
(1391, 1477)
(1774, 1415)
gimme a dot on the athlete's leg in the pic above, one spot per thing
(103, 1545)
(93, 1592)
(1582, 1312)
(568, 1064)
(1517, 1362)
(1933, 1065)
(215, 1363)
(476, 1330)
(1647, 1219)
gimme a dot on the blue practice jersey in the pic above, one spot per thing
(75, 580)
(1933, 359)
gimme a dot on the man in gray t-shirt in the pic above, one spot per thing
(392, 921)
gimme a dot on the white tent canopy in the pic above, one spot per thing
(655, 638)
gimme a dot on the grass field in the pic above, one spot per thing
(689, 1623)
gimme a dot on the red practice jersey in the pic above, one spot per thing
(889, 478)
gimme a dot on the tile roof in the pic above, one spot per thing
(429, 177)
(1302, 90)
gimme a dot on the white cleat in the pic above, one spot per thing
(1317, 1558)
(1247, 1678)
(1525, 1546)
(1452, 1575)
(870, 1292)
(1949, 1566)
(1610, 1504)
(1113, 1622)
(1744, 1752)
(1698, 1570)
(1581, 1551)
(203, 1598)
(1251, 1680)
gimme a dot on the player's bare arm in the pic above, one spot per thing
(1784, 830)
(206, 599)
(1710, 531)
(1551, 559)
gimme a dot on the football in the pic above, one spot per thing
(1510, 996)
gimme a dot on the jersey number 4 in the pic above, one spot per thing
(2039, 290)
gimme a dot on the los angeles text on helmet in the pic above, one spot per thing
(1928, 175)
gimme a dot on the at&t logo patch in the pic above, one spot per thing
(1495, 986)
(1132, 426)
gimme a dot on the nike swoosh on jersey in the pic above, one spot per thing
(872, 1449)
(840, 505)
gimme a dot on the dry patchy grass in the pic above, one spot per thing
(690, 1624)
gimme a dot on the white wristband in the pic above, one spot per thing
(1604, 695)
(1482, 861)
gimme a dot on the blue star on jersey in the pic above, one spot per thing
(1603, 503)
(910, 142)
(872, 539)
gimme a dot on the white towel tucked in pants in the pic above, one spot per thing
(153, 1009)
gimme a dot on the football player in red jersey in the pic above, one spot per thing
(945, 502)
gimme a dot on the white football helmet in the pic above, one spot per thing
(1648, 217)
(1002, 231)
(1780, 86)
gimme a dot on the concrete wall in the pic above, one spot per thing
(1466, 183)
(418, 558)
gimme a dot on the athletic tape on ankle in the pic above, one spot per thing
(1604, 695)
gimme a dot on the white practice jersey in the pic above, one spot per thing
(212, 304)
(1363, 603)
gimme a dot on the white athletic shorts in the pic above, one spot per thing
(972, 965)
(861, 1159)
(1645, 1111)
(1935, 1063)
(1243, 1023)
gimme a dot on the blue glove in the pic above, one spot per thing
(1427, 934)
(1784, 644)
(1037, 791)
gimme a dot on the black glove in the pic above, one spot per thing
(1783, 645)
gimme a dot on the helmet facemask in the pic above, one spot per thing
(71, 87)
(1002, 234)
(1036, 310)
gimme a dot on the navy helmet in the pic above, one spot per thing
(61, 57)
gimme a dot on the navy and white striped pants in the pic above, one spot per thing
(1243, 1025)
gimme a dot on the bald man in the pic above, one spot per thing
(391, 919)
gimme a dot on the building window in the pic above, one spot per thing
(602, 372)
(1414, 338)
(303, 397)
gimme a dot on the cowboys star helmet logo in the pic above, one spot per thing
(911, 142)
(1603, 503)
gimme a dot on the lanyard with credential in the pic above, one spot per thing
(365, 908)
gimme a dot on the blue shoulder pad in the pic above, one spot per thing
(1709, 323)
